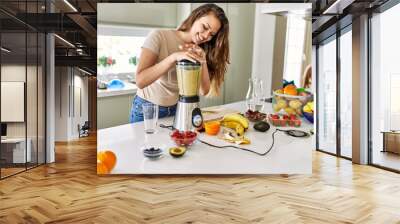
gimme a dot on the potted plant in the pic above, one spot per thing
(103, 63)
(133, 60)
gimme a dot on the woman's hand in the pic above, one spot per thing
(195, 52)
(180, 55)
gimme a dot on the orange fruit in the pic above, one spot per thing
(212, 127)
(102, 168)
(108, 158)
(290, 90)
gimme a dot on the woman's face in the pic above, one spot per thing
(204, 28)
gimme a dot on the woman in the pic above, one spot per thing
(202, 37)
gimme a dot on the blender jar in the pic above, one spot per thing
(188, 75)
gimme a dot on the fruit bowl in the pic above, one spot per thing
(285, 120)
(291, 104)
(183, 138)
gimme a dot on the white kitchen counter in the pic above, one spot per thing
(289, 155)
(129, 88)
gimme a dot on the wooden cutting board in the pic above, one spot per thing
(216, 113)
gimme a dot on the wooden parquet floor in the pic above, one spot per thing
(69, 191)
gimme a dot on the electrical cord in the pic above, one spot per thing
(294, 133)
(170, 127)
(248, 150)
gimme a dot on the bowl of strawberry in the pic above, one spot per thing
(284, 120)
(183, 138)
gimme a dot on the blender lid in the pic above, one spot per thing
(187, 62)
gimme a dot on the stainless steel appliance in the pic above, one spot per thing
(188, 114)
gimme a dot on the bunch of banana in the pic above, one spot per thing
(236, 122)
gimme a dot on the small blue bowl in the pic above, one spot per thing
(116, 84)
(309, 116)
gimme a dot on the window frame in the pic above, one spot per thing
(333, 37)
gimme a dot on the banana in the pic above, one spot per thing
(229, 124)
(238, 127)
(231, 136)
(237, 118)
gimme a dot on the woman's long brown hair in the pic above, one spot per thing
(217, 49)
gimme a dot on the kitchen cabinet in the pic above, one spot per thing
(114, 105)
(113, 110)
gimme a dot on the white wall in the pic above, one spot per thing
(263, 46)
(79, 117)
(33, 126)
(14, 73)
(68, 83)
(62, 81)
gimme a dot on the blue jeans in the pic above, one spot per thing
(136, 114)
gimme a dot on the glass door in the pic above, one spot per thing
(326, 90)
(22, 77)
(346, 92)
(13, 105)
(385, 89)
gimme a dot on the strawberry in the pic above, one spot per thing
(275, 116)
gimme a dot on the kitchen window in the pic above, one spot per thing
(295, 37)
(118, 51)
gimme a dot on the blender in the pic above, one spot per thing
(188, 114)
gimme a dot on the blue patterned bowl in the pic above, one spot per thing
(309, 116)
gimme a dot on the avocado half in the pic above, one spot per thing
(177, 151)
(261, 126)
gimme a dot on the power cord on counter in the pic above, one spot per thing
(248, 150)
(294, 133)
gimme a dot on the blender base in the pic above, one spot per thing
(188, 116)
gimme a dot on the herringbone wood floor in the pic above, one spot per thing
(69, 191)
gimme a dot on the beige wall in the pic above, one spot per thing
(241, 19)
(241, 24)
